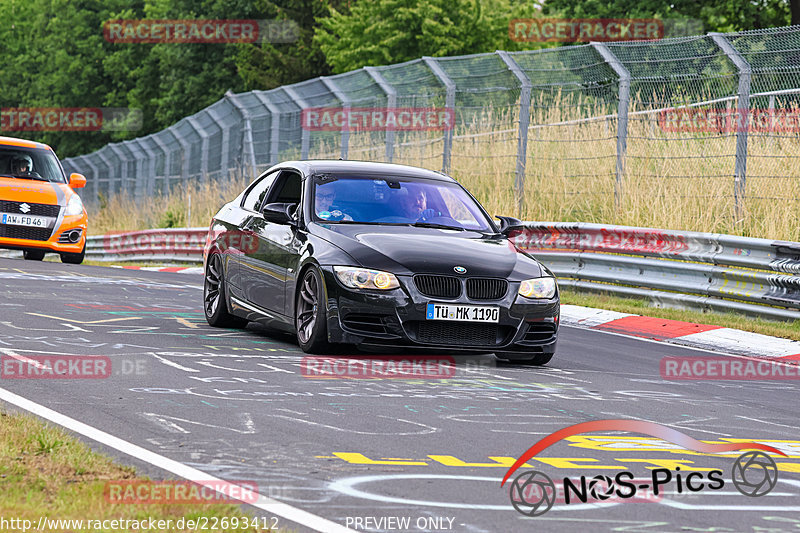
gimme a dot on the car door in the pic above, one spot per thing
(237, 242)
(264, 270)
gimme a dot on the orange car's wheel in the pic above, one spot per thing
(33, 255)
(74, 259)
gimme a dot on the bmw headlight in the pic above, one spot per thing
(538, 287)
(364, 278)
(74, 206)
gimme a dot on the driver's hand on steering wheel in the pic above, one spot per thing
(428, 214)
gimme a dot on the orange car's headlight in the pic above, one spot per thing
(74, 206)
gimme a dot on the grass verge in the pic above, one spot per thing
(46, 472)
(787, 330)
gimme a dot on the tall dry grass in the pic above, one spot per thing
(672, 180)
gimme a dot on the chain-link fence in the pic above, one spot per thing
(693, 133)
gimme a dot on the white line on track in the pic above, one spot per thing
(293, 514)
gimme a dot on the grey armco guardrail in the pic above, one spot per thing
(695, 270)
(173, 244)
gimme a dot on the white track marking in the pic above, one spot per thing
(293, 514)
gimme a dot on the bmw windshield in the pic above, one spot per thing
(396, 201)
(30, 163)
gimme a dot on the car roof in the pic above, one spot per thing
(13, 141)
(322, 166)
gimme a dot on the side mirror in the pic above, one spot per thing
(509, 224)
(77, 181)
(279, 213)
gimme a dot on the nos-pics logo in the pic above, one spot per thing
(533, 493)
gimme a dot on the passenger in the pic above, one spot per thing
(324, 204)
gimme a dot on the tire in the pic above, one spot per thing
(33, 255)
(215, 306)
(74, 259)
(538, 359)
(310, 317)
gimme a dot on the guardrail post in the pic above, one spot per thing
(741, 125)
(524, 121)
(391, 102)
(123, 166)
(274, 124)
(248, 147)
(224, 161)
(203, 147)
(345, 100)
(167, 162)
(148, 165)
(305, 140)
(622, 114)
(110, 169)
(450, 103)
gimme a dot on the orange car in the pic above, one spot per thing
(39, 210)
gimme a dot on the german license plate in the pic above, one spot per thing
(23, 220)
(463, 313)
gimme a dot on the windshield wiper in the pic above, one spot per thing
(436, 226)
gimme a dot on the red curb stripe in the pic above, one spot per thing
(132, 268)
(654, 328)
(171, 269)
(795, 357)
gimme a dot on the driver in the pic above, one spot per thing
(21, 165)
(415, 204)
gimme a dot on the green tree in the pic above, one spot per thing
(382, 32)
(267, 65)
(723, 16)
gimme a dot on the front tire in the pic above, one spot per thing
(215, 305)
(74, 259)
(33, 255)
(310, 313)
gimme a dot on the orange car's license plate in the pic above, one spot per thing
(23, 220)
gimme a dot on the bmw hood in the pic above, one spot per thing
(410, 250)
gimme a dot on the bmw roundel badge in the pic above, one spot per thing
(460, 270)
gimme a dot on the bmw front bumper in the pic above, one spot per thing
(397, 318)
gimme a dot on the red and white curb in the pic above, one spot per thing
(178, 270)
(707, 337)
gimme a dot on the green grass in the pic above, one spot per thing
(788, 330)
(46, 472)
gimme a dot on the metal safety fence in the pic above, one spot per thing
(702, 128)
(707, 271)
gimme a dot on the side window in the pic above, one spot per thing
(258, 192)
(288, 188)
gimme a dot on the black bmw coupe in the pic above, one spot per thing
(360, 253)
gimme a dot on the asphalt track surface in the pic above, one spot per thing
(234, 404)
